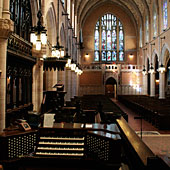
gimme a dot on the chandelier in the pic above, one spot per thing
(38, 34)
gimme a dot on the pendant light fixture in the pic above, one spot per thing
(58, 50)
(144, 72)
(38, 34)
(161, 67)
(151, 70)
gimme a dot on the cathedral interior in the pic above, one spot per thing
(84, 84)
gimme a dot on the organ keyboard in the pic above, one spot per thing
(60, 143)
(59, 154)
(54, 145)
(50, 148)
(62, 138)
(70, 142)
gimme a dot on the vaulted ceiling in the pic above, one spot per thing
(134, 8)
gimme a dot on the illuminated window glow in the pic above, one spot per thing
(108, 39)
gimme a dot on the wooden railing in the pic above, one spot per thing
(136, 151)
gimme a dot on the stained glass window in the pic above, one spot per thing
(103, 55)
(108, 39)
(96, 42)
(165, 14)
(121, 42)
(154, 19)
(96, 56)
(103, 40)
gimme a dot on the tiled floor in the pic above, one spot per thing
(159, 144)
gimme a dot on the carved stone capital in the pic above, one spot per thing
(6, 27)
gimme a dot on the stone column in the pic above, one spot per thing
(69, 84)
(77, 85)
(6, 27)
(161, 85)
(5, 12)
(51, 79)
(152, 87)
(145, 84)
(63, 79)
(37, 89)
(73, 84)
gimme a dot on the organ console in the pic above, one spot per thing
(65, 140)
(76, 145)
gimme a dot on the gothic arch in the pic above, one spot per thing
(111, 86)
(34, 11)
(111, 75)
(164, 54)
(62, 35)
(51, 24)
(154, 54)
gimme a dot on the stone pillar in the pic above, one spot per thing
(69, 84)
(63, 79)
(6, 27)
(37, 89)
(51, 79)
(77, 85)
(145, 84)
(152, 87)
(73, 84)
(161, 85)
(59, 77)
(66, 84)
(5, 12)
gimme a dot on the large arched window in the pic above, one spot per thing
(146, 29)
(109, 39)
(165, 14)
(140, 35)
(154, 19)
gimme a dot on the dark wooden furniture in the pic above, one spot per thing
(14, 144)
(78, 146)
(154, 110)
(20, 112)
(85, 143)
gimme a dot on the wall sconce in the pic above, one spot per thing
(87, 55)
(131, 56)
(0, 72)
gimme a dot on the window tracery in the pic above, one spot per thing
(108, 39)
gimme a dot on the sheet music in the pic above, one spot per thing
(48, 120)
(87, 125)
